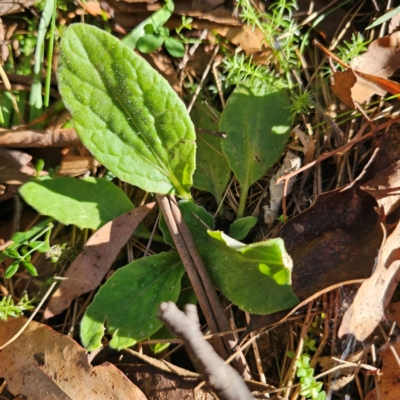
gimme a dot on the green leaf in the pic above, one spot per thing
(212, 172)
(35, 99)
(160, 17)
(255, 277)
(29, 267)
(86, 203)
(241, 227)
(257, 123)
(125, 112)
(129, 301)
(12, 253)
(12, 269)
(149, 43)
(385, 17)
(186, 296)
(40, 246)
(174, 47)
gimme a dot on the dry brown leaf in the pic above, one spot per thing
(91, 266)
(93, 8)
(369, 72)
(77, 165)
(160, 385)
(381, 59)
(15, 6)
(335, 240)
(368, 307)
(389, 386)
(42, 364)
(385, 187)
(16, 167)
(37, 138)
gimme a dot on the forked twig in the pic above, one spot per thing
(222, 378)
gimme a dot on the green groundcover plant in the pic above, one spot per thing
(133, 123)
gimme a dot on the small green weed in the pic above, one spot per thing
(310, 388)
(8, 308)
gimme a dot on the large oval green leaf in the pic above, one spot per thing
(86, 203)
(257, 123)
(128, 302)
(125, 112)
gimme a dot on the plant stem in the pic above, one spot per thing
(200, 279)
(244, 192)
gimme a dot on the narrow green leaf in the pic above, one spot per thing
(86, 203)
(157, 19)
(257, 123)
(149, 43)
(125, 112)
(241, 227)
(255, 277)
(29, 267)
(129, 301)
(174, 47)
(212, 172)
(12, 269)
(385, 17)
(35, 99)
(12, 253)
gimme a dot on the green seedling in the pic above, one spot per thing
(26, 243)
(155, 38)
(132, 121)
(310, 388)
(9, 309)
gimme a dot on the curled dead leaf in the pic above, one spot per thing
(369, 304)
(385, 187)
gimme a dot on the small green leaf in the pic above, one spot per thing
(12, 269)
(157, 19)
(29, 267)
(385, 17)
(149, 29)
(41, 247)
(149, 43)
(174, 47)
(255, 277)
(212, 172)
(10, 252)
(257, 123)
(241, 227)
(125, 112)
(20, 237)
(129, 301)
(86, 203)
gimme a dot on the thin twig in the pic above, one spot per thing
(222, 378)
